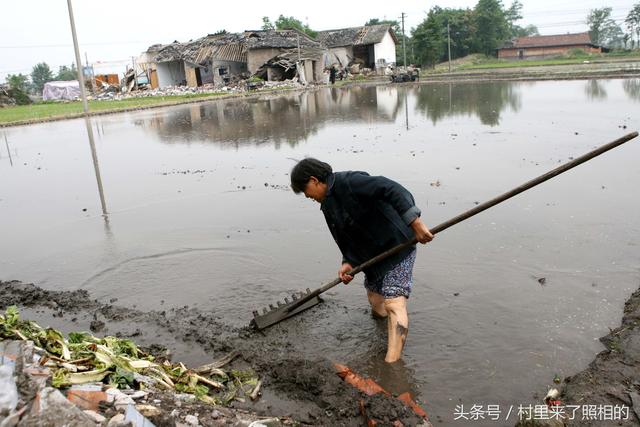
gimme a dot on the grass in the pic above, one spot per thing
(577, 56)
(43, 110)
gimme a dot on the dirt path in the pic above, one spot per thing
(308, 391)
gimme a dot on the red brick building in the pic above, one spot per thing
(537, 47)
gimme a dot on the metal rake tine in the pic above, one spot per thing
(308, 290)
(264, 310)
(280, 304)
(286, 300)
(294, 296)
(271, 307)
(255, 313)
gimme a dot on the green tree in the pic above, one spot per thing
(18, 84)
(491, 26)
(394, 24)
(529, 30)
(66, 73)
(18, 81)
(266, 23)
(633, 24)
(289, 22)
(602, 28)
(40, 74)
(427, 38)
(513, 14)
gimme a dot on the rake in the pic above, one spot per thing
(304, 300)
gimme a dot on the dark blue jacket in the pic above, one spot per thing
(368, 215)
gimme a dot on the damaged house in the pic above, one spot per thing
(215, 59)
(212, 59)
(272, 55)
(372, 46)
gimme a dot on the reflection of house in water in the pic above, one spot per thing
(485, 100)
(274, 119)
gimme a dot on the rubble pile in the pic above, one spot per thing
(82, 380)
(111, 92)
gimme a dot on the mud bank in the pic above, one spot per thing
(307, 391)
(613, 378)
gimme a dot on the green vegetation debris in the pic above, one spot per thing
(83, 358)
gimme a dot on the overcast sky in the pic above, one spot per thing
(111, 32)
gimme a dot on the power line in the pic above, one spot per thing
(38, 46)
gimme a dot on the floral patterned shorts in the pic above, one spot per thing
(397, 282)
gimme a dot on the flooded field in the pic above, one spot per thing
(200, 214)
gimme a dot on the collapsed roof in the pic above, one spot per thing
(279, 39)
(355, 36)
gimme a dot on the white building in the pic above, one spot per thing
(373, 46)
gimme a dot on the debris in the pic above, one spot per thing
(542, 280)
(191, 420)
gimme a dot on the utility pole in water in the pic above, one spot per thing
(449, 37)
(85, 106)
(404, 45)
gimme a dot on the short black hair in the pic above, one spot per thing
(305, 169)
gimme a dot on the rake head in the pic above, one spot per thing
(274, 314)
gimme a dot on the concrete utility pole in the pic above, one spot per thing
(449, 37)
(404, 45)
(85, 107)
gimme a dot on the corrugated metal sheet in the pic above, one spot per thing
(224, 52)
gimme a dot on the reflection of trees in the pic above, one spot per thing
(632, 88)
(486, 100)
(595, 90)
(273, 118)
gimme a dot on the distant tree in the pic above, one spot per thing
(40, 74)
(491, 26)
(18, 81)
(394, 24)
(529, 30)
(513, 14)
(602, 28)
(266, 23)
(289, 22)
(428, 39)
(220, 32)
(18, 85)
(633, 24)
(66, 73)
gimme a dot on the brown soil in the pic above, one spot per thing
(308, 391)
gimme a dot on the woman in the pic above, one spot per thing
(366, 216)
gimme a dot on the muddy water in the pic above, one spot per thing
(201, 215)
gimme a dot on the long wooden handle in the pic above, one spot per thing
(471, 212)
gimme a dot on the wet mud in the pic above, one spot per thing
(307, 391)
(613, 378)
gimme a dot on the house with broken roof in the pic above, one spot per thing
(213, 59)
(372, 46)
(538, 47)
(273, 54)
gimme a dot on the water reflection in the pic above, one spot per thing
(288, 118)
(486, 100)
(632, 88)
(595, 89)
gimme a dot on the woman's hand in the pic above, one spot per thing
(422, 232)
(342, 273)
